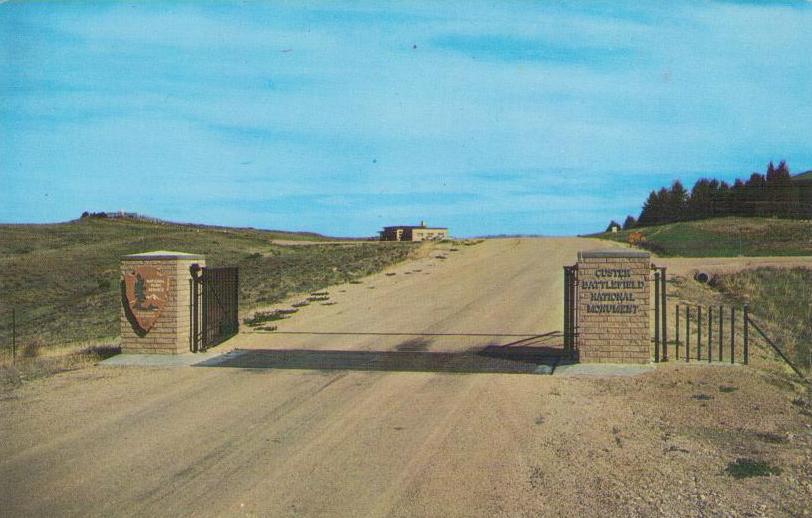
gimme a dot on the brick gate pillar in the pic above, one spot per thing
(155, 302)
(613, 306)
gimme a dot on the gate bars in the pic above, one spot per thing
(214, 306)
(660, 314)
(717, 322)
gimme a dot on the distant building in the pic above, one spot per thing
(124, 215)
(413, 233)
(120, 214)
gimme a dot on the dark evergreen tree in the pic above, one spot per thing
(755, 196)
(738, 198)
(662, 204)
(775, 194)
(677, 202)
(630, 223)
(713, 198)
(649, 213)
(804, 199)
(724, 199)
(782, 192)
(701, 200)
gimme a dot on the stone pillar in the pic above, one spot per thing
(155, 302)
(613, 306)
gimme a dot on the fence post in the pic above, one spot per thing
(699, 332)
(733, 335)
(566, 309)
(191, 315)
(721, 328)
(687, 333)
(194, 270)
(656, 316)
(572, 303)
(237, 300)
(710, 333)
(13, 336)
(665, 315)
(676, 327)
(573, 309)
(746, 334)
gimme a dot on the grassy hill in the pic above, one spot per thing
(63, 279)
(776, 299)
(803, 177)
(726, 237)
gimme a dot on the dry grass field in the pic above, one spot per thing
(63, 279)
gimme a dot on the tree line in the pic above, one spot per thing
(774, 194)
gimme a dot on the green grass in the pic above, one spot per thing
(745, 468)
(725, 237)
(803, 177)
(261, 317)
(780, 299)
(63, 279)
(780, 303)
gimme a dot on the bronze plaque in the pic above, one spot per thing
(147, 291)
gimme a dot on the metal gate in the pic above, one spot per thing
(570, 309)
(213, 308)
(660, 314)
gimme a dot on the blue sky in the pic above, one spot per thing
(339, 117)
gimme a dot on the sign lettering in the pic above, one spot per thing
(615, 291)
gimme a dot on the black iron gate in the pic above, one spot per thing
(213, 308)
(660, 314)
(570, 309)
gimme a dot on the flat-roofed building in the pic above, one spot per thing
(413, 233)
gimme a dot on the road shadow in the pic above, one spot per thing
(490, 359)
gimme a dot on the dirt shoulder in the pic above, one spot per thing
(265, 442)
(686, 266)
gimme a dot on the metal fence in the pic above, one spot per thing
(23, 334)
(720, 333)
(700, 333)
(12, 346)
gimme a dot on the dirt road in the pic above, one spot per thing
(215, 441)
(455, 299)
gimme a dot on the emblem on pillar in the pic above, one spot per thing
(147, 291)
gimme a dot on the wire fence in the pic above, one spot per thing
(26, 334)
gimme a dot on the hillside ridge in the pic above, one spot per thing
(730, 236)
